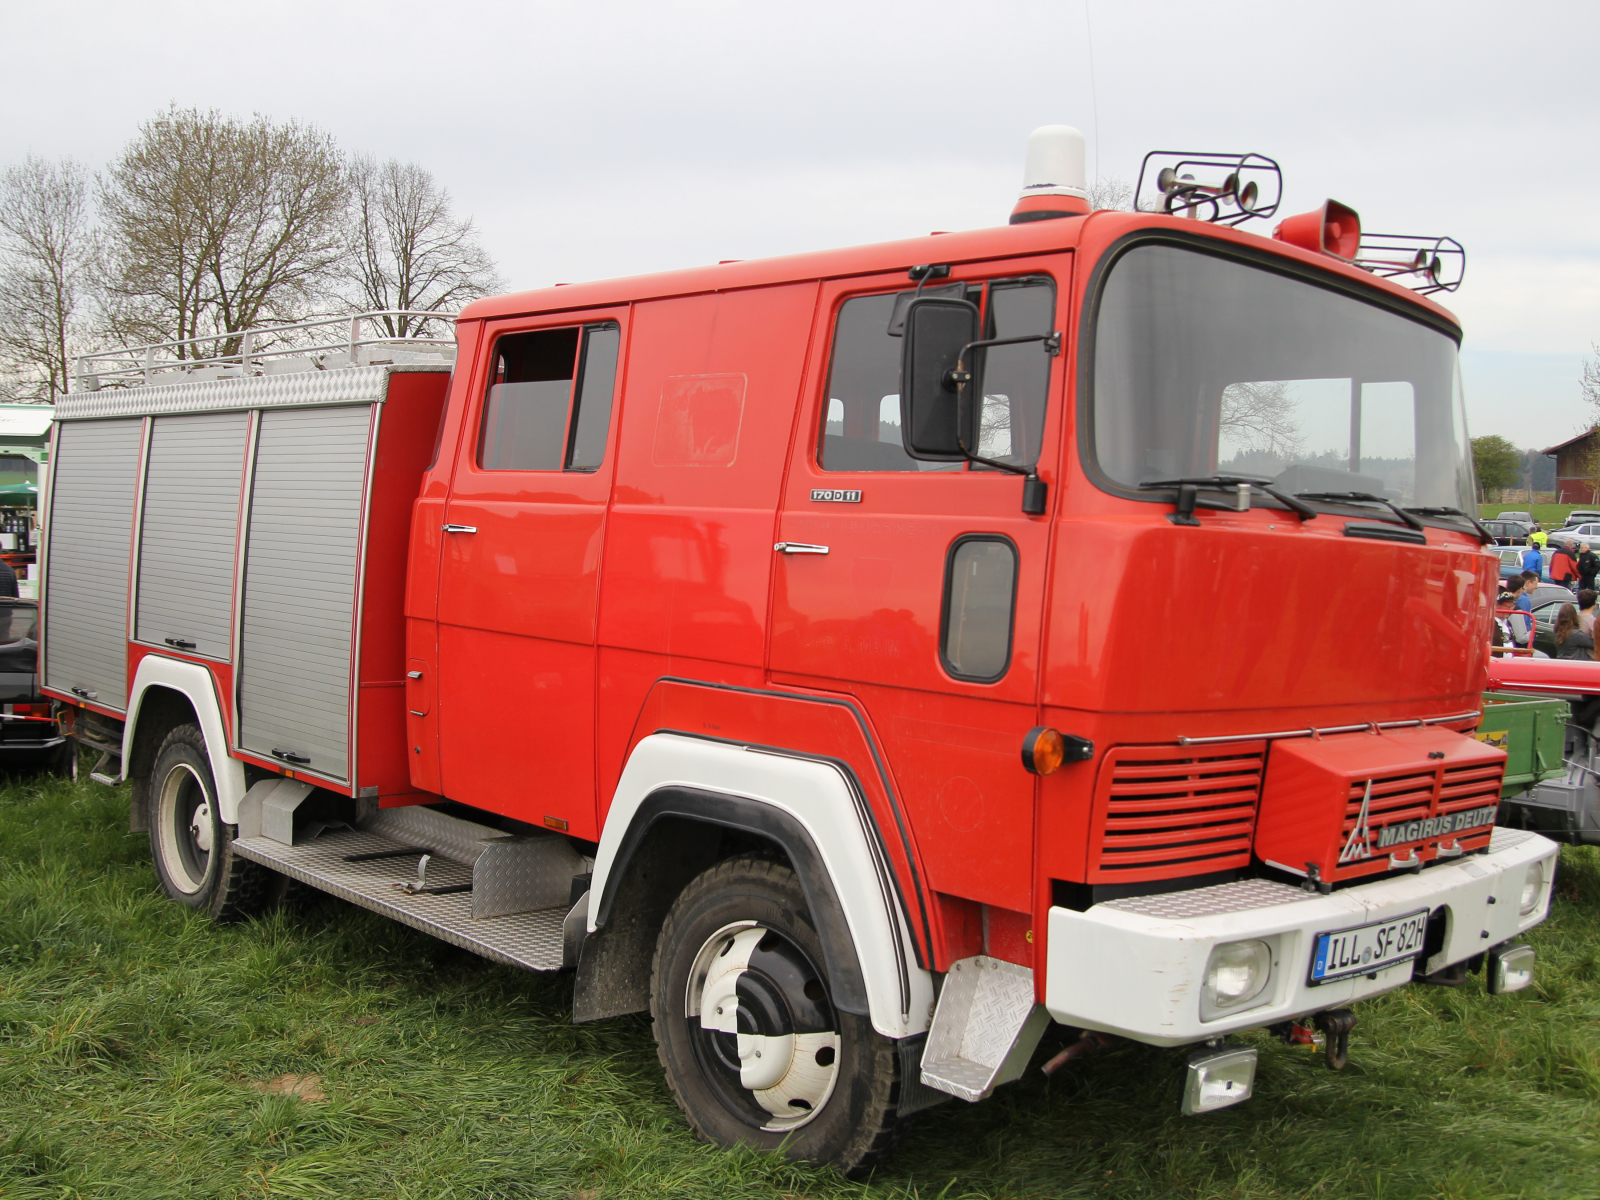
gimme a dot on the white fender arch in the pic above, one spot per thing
(818, 796)
(195, 682)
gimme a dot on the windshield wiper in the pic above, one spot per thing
(1369, 498)
(1444, 510)
(1189, 494)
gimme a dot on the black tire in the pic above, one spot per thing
(63, 761)
(192, 847)
(829, 1085)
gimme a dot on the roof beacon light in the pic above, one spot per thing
(1055, 182)
(1332, 229)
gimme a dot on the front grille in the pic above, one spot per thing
(1164, 813)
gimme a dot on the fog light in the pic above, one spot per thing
(1510, 968)
(1218, 1079)
(1236, 974)
(1532, 887)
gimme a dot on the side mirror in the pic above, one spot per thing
(936, 331)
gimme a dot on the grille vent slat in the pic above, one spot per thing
(1165, 814)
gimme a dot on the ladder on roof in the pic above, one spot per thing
(320, 344)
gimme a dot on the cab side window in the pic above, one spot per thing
(548, 406)
(861, 427)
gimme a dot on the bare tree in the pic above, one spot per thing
(1110, 192)
(1261, 416)
(47, 252)
(407, 250)
(1589, 382)
(214, 225)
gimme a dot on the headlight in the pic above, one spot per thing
(1532, 887)
(1236, 974)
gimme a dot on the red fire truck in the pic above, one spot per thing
(858, 660)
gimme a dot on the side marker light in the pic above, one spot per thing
(1044, 750)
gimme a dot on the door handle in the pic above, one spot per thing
(460, 528)
(799, 548)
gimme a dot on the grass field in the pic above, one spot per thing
(324, 1052)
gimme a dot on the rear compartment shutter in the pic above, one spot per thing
(1165, 812)
(300, 570)
(92, 483)
(190, 523)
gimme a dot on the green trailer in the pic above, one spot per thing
(1532, 731)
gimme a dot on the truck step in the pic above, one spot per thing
(985, 1028)
(532, 940)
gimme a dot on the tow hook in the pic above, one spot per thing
(1336, 1025)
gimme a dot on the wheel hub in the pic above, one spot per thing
(762, 1026)
(200, 827)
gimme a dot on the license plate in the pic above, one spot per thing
(1367, 948)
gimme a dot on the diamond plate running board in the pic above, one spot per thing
(985, 1028)
(530, 939)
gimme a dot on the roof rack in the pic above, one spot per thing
(321, 344)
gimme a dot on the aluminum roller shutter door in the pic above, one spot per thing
(300, 582)
(190, 523)
(92, 484)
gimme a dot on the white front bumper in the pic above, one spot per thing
(1135, 967)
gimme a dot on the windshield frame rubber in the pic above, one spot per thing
(1088, 323)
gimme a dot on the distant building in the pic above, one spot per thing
(24, 445)
(1577, 466)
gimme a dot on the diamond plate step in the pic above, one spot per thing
(985, 1028)
(532, 940)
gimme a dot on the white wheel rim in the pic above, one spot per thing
(195, 827)
(779, 1069)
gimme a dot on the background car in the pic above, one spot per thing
(1579, 535)
(1509, 533)
(1525, 517)
(1582, 516)
(30, 735)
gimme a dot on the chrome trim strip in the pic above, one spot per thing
(1300, 733)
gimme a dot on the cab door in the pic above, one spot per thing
(518, 582)
(918, 586)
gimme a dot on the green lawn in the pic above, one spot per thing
(139, 1047)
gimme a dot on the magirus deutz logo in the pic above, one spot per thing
(1364, 840)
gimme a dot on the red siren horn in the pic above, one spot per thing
(1333, 229)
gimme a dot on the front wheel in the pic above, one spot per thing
(754, 1050)
(191, 845)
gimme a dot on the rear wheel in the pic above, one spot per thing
(745, 1026)
(191, 845)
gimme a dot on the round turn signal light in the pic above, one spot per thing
(1043, 750)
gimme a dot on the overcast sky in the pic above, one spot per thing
(611, 138)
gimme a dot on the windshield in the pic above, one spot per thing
(1206, 365)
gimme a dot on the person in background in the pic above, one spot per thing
(1563, 568)
(1588, 568)
(1521, 627)
(1571, 640)
(8, 580)
(1586, 599)
(1532, 560)
(1538, 537)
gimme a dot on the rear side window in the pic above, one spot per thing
(861, 428)
(980, 592)
(549, 401)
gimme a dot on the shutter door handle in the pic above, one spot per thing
(461, 529)
(179, 643)
(85, 693)
(799, 548)
(289, 756)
